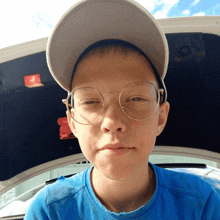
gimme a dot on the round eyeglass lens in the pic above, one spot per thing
(88, 105)
(139, 100)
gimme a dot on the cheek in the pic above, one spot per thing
(147, 127)
(87, 140)
(145, 132)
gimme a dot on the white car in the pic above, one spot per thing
(36, 145)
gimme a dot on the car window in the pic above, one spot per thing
(154, 158)
(70, 169)
(38, 17)
(40, 180)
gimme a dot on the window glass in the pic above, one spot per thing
(154, 158)
(38, 17)
(79, 167)
(41, 179)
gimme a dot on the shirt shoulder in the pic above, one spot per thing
(184, 183)
(65, 187)
(189, 195)
(59, 200)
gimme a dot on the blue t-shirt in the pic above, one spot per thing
(177, 196)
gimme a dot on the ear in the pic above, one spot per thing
(71, 122)
(162, 118)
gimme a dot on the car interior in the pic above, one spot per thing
(29, 128)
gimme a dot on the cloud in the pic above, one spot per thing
(214, 10)
(159, 8)
(150, 5)
(186, 12)
(52, 11)
(199, 14)
(195, 2)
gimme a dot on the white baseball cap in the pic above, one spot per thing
(89, 21)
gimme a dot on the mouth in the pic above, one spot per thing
(117, 146)
(117, 149)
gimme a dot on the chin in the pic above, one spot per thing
(115, 171)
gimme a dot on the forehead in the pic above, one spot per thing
(112, 69)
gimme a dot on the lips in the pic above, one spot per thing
(116, 146)
(117, 149)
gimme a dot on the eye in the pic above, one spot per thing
(136, 99)
(89, 102)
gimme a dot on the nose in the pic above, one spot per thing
(113, 118)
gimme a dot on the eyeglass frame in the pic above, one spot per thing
(160, 93)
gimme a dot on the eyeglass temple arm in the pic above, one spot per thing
(64, 101)
(161, 92)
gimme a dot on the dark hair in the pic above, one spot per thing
(104, 46)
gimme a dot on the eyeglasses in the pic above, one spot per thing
(138, 101)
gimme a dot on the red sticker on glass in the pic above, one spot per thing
(32, 81)
(65, 131)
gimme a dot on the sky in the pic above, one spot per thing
(26, 20)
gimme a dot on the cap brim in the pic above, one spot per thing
(90, 21)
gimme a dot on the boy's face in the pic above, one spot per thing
(111, 73)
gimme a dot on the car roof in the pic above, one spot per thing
(30, 132)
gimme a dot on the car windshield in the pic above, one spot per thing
(38, 17)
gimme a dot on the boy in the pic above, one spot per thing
(112, 56)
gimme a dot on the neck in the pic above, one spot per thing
(124, 195)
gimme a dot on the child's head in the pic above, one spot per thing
(96, 45)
